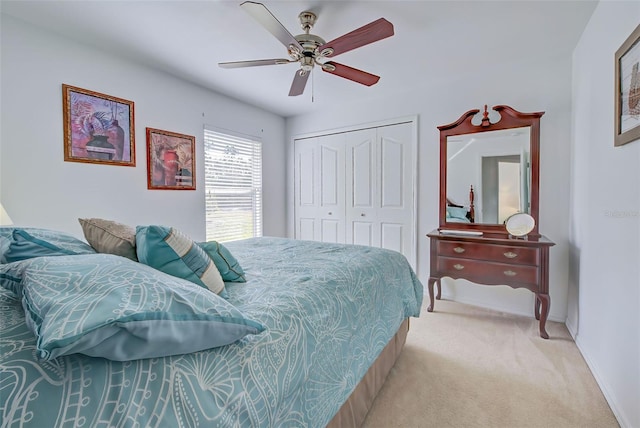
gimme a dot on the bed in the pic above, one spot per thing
(326, 322)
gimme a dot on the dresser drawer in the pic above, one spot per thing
(489, 252)
(487, 272)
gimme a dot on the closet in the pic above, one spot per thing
(358, 187)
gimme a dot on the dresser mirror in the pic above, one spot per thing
(489, 169)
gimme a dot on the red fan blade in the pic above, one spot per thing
(254, 63)
(261, 14)
(372, 32)
(350, 73)
(299, 82)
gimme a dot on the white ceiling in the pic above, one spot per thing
(433, 40)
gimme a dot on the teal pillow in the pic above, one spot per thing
(457, 212)
(171, 251)
(11, 275)
(25, 245)
(108, 306)
(227, 265)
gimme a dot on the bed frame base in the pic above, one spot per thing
(354, 411)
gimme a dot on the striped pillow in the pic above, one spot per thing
(171, 251)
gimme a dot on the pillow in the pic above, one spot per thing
(227, 265)
(25, 246)
(171, 251)
(4, 246)
(457, 212)
(106, 236)
(103, 305)
(11, 275)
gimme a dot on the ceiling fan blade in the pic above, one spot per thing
(254, 63)
(372, 32)
(350, 73)
(299, 82)
(261, 14)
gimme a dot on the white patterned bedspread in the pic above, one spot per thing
(329, 310)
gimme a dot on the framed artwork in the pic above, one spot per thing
(171, 160)
(627, 91)
(98, 128)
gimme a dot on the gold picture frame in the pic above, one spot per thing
(627, 90)
(171, 160)
(98, 128)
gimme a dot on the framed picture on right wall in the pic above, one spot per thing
(627, 90)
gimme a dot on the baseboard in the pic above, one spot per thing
(573, 329)
(624, 423)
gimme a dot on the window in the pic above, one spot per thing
(233, 186)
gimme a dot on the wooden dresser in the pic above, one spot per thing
(493, 259)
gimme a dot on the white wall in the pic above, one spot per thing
(604, 291)
(536, 86)
(38, 188)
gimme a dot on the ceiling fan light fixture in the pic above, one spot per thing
(328, 67)
(326, 52)
(306, 63)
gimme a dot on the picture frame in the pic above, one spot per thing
(627, 90)
(171, 160)
(98, 128)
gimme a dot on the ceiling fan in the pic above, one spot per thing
(310, 50)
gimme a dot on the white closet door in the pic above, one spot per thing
(362, 188)
(306, 198)
(358, 187)
(319, 188)
(395, 203)
(380, 187)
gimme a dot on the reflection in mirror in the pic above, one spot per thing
(495, 164)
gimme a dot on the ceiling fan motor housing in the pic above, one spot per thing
(307, 20)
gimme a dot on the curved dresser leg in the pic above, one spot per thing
(439, 283)
(536, 308)
(545, 302)
(430, 287)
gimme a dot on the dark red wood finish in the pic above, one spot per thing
(509, 118)
(372, 32)
(493, 259)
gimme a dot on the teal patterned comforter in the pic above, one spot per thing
(329, 310)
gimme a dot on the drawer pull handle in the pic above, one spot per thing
(509, 273)
(459, 250)
(510, 255)
(458, 266)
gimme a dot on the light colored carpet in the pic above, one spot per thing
(465, 366)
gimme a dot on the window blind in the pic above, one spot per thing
(233, 186)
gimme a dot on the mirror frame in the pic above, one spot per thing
(509, 118)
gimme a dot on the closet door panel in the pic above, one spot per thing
(392, 180)
(331, 231)
(395, 212)
(393, 236)
(331, 191)
(305, 188)
(362, 170)
(362, 188)
(330, 158)
(306, 229)
(306, 173)
(362, 233)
